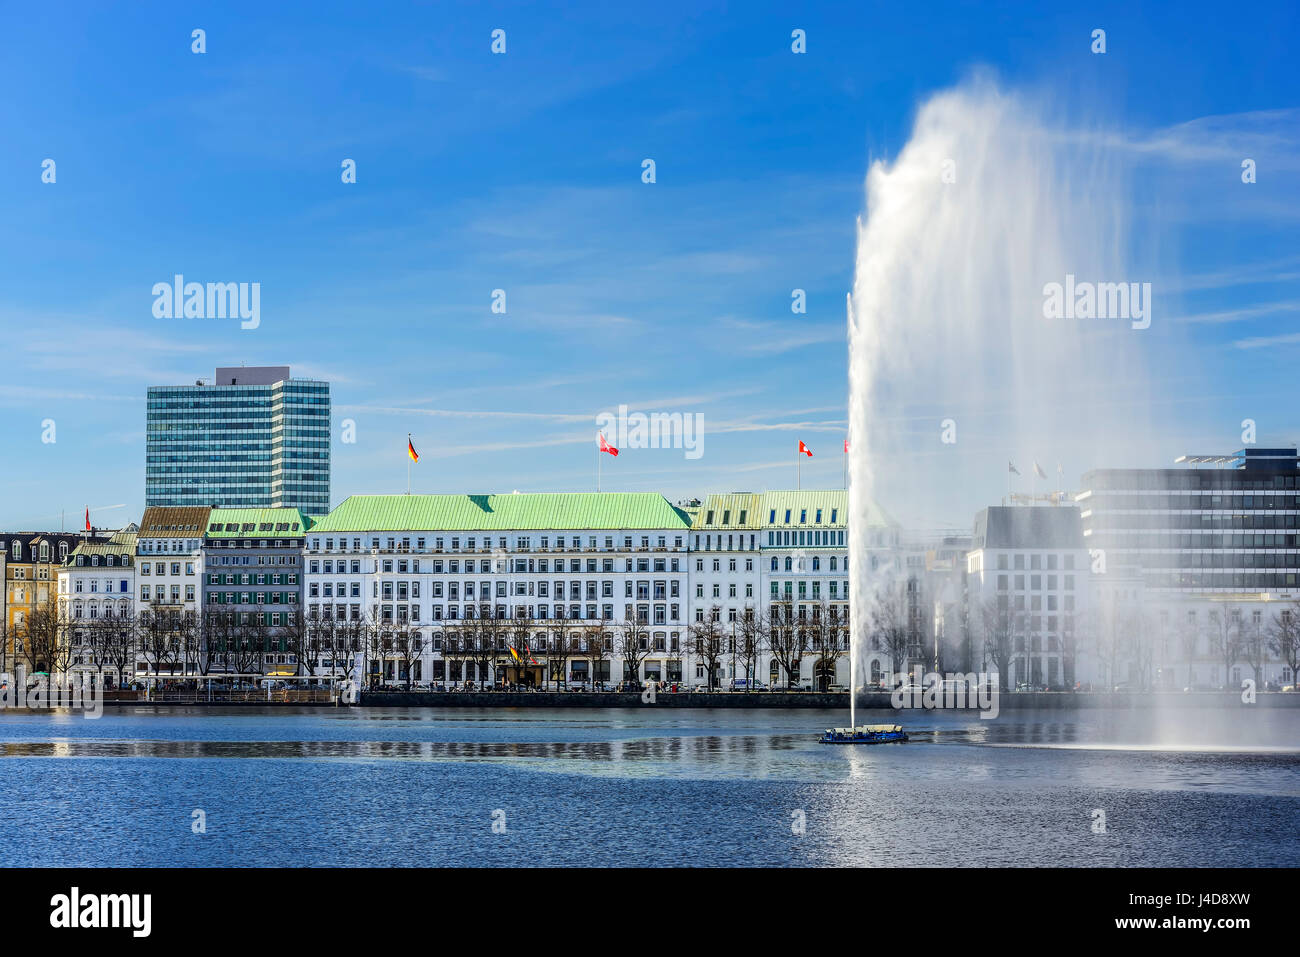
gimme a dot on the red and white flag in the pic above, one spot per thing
(87, 518)
(804, 450)
(846, 446)
(605, 446)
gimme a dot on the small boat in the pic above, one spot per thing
(864, 734)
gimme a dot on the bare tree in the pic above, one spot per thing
(349, 637)
(379, 648)
(117, 644)
(298, 638)
(219, 639)
(1284, 639)
(248, 639)
(1255, 642)
(1189, 639)
(557, 659)
(1225, 638)
(408, 644)
(999, 631)
(158, 643)
(1113, 629)
(706, 643)
(40, 631)
(193, 645)
(890, 624)
(825, 639)
(598, 645)
(488, 635)
(517, 631)
(750, 641)
(785, 640)
(633, 638)
(451, 655)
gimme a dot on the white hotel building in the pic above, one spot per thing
(575, 566)
(571, 565)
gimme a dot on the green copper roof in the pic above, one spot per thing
(558, 511)
(121, 544)
(803, 506)
(255, 523)
(738, 511)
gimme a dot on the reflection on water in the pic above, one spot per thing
(639, 786)
(655, 749)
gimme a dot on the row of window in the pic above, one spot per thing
(522, 543)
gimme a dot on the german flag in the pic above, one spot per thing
(410, 450)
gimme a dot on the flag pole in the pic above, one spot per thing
(598, 464)
(408, 463)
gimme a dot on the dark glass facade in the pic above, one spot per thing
(1226, 529)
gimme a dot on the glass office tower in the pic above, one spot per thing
(254, 438)
(1229, 524)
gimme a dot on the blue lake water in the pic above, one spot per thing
(647, 786)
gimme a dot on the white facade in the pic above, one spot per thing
(1029, 572)
(564, 585)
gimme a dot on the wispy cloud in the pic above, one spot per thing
(1262, 342)
(1242, 313)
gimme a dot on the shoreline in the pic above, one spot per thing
(875, 701)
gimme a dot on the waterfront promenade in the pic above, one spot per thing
(1017, 701)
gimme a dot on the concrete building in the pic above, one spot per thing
(253, 438)
(1027, 581)
(252, 585)
(169, 570)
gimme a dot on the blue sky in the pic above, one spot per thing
(523, 172)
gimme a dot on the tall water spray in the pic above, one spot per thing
(954, 367)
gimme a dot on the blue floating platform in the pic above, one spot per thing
(864, 734)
